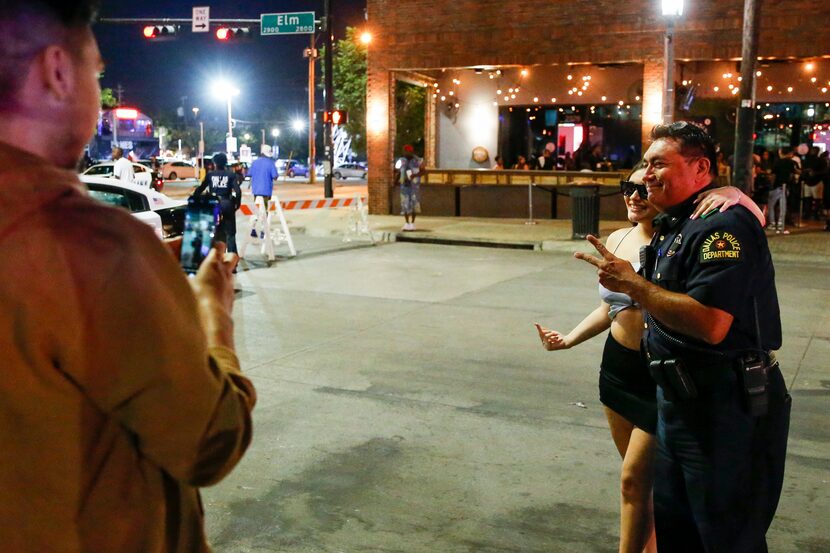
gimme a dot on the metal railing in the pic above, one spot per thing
(514, 177)
(550, 181)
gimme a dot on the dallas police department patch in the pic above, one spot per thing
(720, 246)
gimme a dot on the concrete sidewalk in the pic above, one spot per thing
(808, 244)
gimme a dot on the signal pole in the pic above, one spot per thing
(745, 124)
(329, 30)
(312, 142)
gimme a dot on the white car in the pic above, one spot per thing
(143, 175)
(349, 170)
(161, 212)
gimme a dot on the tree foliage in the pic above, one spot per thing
(108, 100)
(349, 80)
(410, 108)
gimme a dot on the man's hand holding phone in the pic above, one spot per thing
(213, 286)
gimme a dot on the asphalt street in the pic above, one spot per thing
(406, 405)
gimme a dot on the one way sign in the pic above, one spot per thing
(201, 19)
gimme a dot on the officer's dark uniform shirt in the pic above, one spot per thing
(223, 184)
(722, 261)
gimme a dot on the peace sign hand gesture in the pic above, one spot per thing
(614, 273)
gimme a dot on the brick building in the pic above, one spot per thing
(546, 51)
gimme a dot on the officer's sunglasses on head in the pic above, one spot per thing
(628, 188)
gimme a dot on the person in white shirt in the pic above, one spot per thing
(123, 167)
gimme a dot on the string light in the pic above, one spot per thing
(789, 89)
(769, 88)
(553, 100)
(569, 77)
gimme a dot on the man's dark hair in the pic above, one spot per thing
(221, 161)
(29, 26)
(694, 141)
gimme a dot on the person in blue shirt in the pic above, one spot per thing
(263, 172)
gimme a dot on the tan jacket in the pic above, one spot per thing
(112, 409)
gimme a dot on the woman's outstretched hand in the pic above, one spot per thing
(551, 339)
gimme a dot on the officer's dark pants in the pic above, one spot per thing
(718, 471)
(226, 231)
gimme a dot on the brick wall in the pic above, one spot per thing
(435, 34)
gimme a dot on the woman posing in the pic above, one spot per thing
(626, 389)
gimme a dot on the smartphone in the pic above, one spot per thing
(200, 220)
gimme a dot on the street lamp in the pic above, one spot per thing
(365, 38)
(201, 137)
(672, 9)
(275, 132)
(298, 125)
(224, 90)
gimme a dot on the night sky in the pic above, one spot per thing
(269, 71)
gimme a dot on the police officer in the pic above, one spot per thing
(224, 184)
(712, 319)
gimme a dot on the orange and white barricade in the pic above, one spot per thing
(261, 231)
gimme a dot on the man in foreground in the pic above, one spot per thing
(712, 321)
(121, 392)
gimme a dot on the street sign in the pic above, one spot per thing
(245, 153)
(230, 144)
(292, 23)
(201, 19)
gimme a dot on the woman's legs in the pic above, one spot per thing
(636, 448)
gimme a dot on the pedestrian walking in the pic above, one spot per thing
(409, 167)
(224, 184)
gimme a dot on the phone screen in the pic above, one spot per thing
(200, 220)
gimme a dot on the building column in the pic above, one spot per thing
(431, 131)
(380, 130)
(652, 98)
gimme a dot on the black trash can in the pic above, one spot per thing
(585, 210)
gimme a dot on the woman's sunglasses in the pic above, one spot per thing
(628, 188)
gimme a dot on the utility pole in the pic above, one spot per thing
(311, 54)
(329, 30)
(745, 126)
(668, 73)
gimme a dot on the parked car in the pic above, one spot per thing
(164, 214)
(350, 170)
(143, 174)
(173, 170)
(291, 168)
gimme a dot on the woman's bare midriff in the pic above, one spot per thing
(627, 328)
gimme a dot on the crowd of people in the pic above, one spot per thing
(587, 157)
(790, 185)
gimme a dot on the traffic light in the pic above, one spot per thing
(230, 34)
(336, 117)
(160, 32)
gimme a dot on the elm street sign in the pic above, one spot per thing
(292, 23)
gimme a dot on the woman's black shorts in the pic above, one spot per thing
(626, 387)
